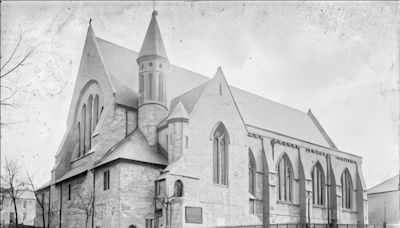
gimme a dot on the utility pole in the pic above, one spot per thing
(384, 216)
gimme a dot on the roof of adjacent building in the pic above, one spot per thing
(388, 185)
(187, 86)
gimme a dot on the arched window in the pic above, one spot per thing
(79, 139)
(220, 155)
(141, 87)
(178, 188)
(318, 184)
(88, 126)
(95, 112)
(347, 188)
(161, 88)
(83, 130)
(285, 179)
(252, 173)
(150, 91)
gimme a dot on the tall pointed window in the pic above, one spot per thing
(318, 184)
(220, 155)
(150, 90)
(285, 179)
(347, 189)
(252, 173)
(141, 87)
(95, 112)
(161, 88)
(83, 130)
(88, 126)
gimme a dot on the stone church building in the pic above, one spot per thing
(150, 144)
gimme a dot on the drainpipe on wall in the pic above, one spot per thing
(60, 203)
(94, 191)
(48, 212)
(328, 189)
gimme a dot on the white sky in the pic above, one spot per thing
(339, 59)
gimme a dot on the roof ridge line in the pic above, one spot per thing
(252, 93)
(115, 44)
(383, 182)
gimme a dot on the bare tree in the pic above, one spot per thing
(85, 204)
(41, 202)
(6, 70)
(14, 187)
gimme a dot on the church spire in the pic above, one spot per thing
(153, 68)
(153, 44)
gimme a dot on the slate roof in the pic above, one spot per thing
(134, 147)
(122, 68)
(73, 172)
(389, 185)
(179, 112)
(119, 63)
(187, 86)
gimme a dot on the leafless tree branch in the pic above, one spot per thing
(19, 64)
(12, 55)
(12, 182)
(8, 97)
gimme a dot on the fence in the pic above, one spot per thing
(312, 225)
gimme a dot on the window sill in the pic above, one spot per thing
(287, 202)
(220, 185)
(251, 196)
(319, 206)
(348, 210)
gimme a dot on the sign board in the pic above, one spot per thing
(194, 215)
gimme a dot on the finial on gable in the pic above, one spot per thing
(219, 71)
(90, 22)
(154, 9)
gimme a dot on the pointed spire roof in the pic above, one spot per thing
(219, 72)
(153, 43)
(179, 113)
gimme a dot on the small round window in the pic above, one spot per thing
(150, 64)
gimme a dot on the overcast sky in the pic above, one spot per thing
(339, 59)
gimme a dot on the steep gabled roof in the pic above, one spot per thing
(122, 69)
(388, 185)
(120, 63)
(190, 98)
(186, 86)
(134, 147)
(262, 113)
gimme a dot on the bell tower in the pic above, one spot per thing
(153, 66)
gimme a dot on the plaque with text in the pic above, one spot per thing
(194, 215)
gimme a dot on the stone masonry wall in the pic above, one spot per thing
(137, 184)
(222, 205)
(107, 202)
